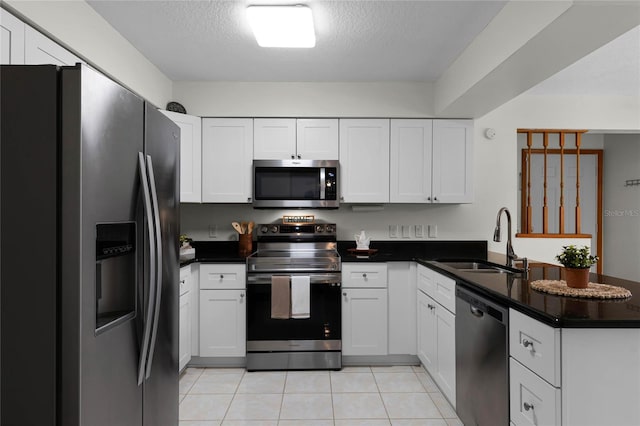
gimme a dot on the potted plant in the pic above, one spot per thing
(576, 262)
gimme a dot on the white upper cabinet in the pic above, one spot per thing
(288, 138)
(364, 160)
(11, 39)
(274, 138)
(317, 138)
(227, 152)
(452, 161)
(411, 156)
(190, 156)
(39, 49)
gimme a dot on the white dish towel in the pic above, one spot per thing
(300, 296)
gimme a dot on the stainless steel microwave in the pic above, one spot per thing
(295, 184)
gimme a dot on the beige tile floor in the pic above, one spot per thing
(355, 396)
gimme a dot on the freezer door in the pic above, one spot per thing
(162, 148)
(101, 245)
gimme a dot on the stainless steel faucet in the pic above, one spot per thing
(511, 255)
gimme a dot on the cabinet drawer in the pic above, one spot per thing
(364, 275)
(535, 345)
(437, 286)
(533, 400)
(221, 276)
(426, 282)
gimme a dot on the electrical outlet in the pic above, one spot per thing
(393, 231)
(433, 231)
(213, 231)
(419, 231)
(406, 231)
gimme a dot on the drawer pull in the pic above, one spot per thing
(182, 281)
(241, 295)
(364, 276)
(430, 306)
(527, 406)
(221, 277)
(527, 343)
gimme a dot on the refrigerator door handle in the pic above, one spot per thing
(144, 348)
(158, 284)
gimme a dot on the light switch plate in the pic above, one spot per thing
(419, 231)
(213, 231)
(433, 231)
(393, 231)
(406, 231)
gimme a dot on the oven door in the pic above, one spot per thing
(320, 332)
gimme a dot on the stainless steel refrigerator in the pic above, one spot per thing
(89, 252)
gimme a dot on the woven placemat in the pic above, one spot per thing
(593, 291)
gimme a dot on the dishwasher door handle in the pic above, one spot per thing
(476, 311)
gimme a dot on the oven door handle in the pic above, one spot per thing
(315, 278)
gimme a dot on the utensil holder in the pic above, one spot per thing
(245, 244)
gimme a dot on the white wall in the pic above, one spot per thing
(75, 25)
(621, 206)
(272, 99)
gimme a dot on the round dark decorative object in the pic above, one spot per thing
(176, 107)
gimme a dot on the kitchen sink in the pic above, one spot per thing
(482, 267)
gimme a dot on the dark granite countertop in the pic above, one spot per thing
(404, 251)
(556, 311)
(215, 252)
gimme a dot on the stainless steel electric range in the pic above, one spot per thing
(295, 247)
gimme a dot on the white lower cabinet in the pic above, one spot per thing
(437, 333)
(222, 310)
(364, 309)
(533, 401)
(573, 376)
(364, 321)
(402, 307)
(184, 345)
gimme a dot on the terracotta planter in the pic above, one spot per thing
(576, 277)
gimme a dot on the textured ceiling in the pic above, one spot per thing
(359, 40)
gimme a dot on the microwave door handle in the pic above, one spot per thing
(144, 348)
(158, 283)
(323, 183)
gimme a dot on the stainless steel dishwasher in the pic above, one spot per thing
(482, 360)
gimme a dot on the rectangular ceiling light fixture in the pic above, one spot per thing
(282, 26)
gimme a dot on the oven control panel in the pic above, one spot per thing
(290, 229)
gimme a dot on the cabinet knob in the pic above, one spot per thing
(364, 276)
(435, 198)
(527, 406)
(428, 198)
(341, 198)
(527, 343)
(182, 281)
(221, 277)
(248, 199)
(241, 295)
(293, 156)
(299, 156)
(344, 293)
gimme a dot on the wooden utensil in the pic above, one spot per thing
(237, 227)
(250, 227)
(243, 225)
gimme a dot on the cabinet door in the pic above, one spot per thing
(222, 323)
(452, 161)
(427, 333)
(185, 331)
(39, 50)
(364, 160)
(317, 138)
(364, 321)
(445, 323)
(274, 138)
(402, 307)
(195, 309)
(190, 156)
(11, 39)
(410, 168)
(227, 155)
